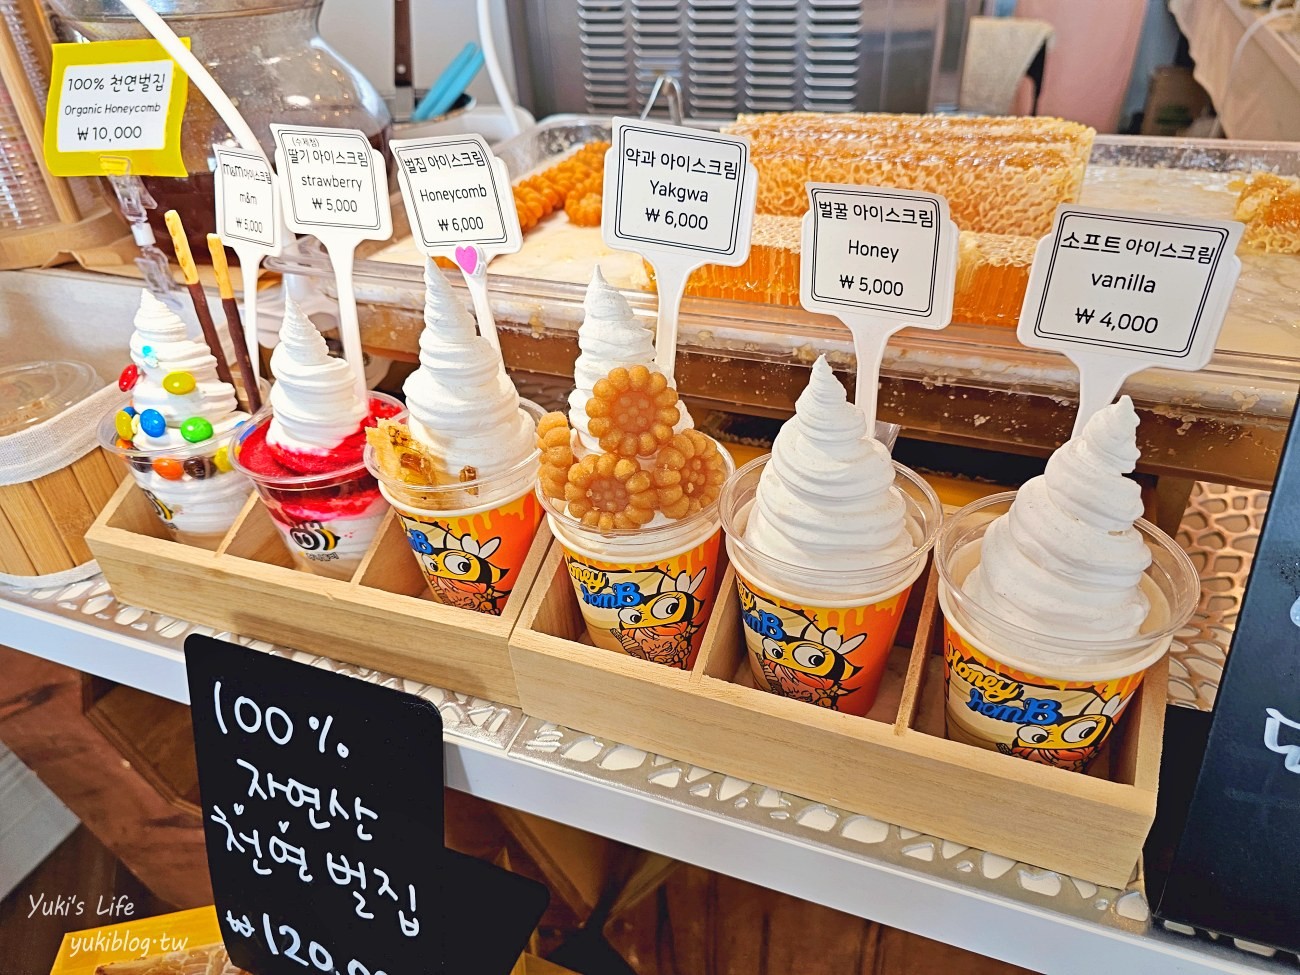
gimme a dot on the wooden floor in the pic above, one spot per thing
(82, 867)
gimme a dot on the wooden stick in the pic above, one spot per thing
(228, 304)
(186, 260)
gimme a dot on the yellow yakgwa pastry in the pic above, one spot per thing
(644, 467)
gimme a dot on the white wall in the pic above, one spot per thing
(362, 31)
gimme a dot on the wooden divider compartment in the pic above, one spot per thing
(894, 764)
(382, 618)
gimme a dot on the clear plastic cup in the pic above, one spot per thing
(328, 520)
(646, 592)
(1047, 699)
(823, 635)
(471, 538)
(193, 488)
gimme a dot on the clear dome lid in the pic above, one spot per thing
(31, 392)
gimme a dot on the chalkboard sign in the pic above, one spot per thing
(323, 817)
(1237, 867)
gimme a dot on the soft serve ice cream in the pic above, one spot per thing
(306, 456)
(464, 409)
(176, 432)
(610, 336)
(826, 546)
(314, 401)
(826, 499)
(460, 471)
(1051, 616)
(1066, 560)
(633, 490)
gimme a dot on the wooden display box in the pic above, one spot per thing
(382, 618)
(43, 522)
(894, 764)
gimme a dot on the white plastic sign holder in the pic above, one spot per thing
(680, 198)
(1117, 292)
(461, 207)
(335, 187)
(249, 223)
(879, 260)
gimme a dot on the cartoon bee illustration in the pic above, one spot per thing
(458, 568)
(812, 666)
(165, 512)
(660, 627)
(1071, 744)
(312, 536)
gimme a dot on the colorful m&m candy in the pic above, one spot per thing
(153, 423)
(179, 383)
(196, 429)
(129, 377)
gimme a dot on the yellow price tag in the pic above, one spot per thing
(115, 107)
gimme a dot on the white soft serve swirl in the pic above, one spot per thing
(162, 331)
(1065, 560)
(826, 499)
(610, 336)
(314, 398)
(463, 406)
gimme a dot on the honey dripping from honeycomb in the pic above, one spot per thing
(540, 195)
(992, 273)
(1000, 175)
(1269, 206)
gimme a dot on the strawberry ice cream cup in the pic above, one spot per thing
(326, 505)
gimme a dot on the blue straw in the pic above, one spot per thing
(454, 80)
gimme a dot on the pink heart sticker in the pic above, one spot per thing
(467, 258)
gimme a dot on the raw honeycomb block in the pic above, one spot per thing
(1269, 206)
(992, 272)
(999, 175)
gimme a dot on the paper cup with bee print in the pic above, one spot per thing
(470, 538)
(326, 520)
(1042, 698)
(818, 635)
(646, 592)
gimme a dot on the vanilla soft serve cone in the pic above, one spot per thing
(827, 536)
(631, 490)
(1057, 599)
(460, 472)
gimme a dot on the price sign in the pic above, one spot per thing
(336, 189)
(323, 820)
(248, 200)
(880, 252)
(114, 107)
(333, 179)
(1118, 292)
(249, 221)
(461, 207)
(680, 198)
(879, 260)
(679, 189)
(457, 193)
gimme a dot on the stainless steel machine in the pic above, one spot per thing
(730, 56)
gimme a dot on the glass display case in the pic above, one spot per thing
(967, 384)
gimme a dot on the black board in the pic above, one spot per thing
(323, 818)
(1236, 869)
